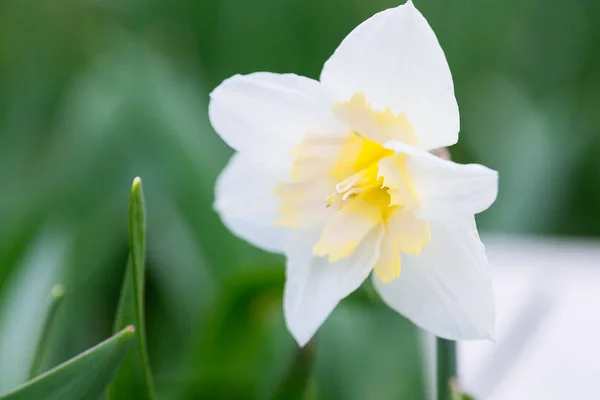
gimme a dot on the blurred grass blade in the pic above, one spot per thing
(296, 383)
(134, 379)
(57, 294)
(24, 303)
(81, 378)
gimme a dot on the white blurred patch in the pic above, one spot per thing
(548, 323)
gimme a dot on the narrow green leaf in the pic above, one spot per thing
(128, 382)
(134, 379)
(137, 245)
(57, 294)
(81, 378)
(125, 315)
(137, 242)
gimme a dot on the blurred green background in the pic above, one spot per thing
(94, 93)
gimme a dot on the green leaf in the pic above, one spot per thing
(81, 378)
(128, 381)
(134, 379)
(57, 294)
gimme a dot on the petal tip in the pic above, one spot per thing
(301, 336)
(302, 341)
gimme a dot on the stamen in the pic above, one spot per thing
(352, 187)
(350, 182)
(359, 189)
(351, 192)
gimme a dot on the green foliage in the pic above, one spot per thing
(359, 355)
(81, 378)
(135, 377)
(94, 92)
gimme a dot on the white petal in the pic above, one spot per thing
(247, 204)
(439, 188)
(447, 189)
(446, 289)
(314, 287)
(265, 114)
(302, 203)
(395, 60)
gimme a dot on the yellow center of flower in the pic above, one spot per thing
(357, 172)
(356, 185)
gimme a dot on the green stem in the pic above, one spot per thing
(446, 367)
(296, 384)
(137, 244)
(57, 293)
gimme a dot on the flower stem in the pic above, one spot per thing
(446, 367)
(297, 382)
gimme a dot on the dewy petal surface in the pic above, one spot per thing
(446, 289)
(394, 59)
(264, 114)
(314, 286)
(247, 204)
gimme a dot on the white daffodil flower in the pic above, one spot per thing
(337, 175)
